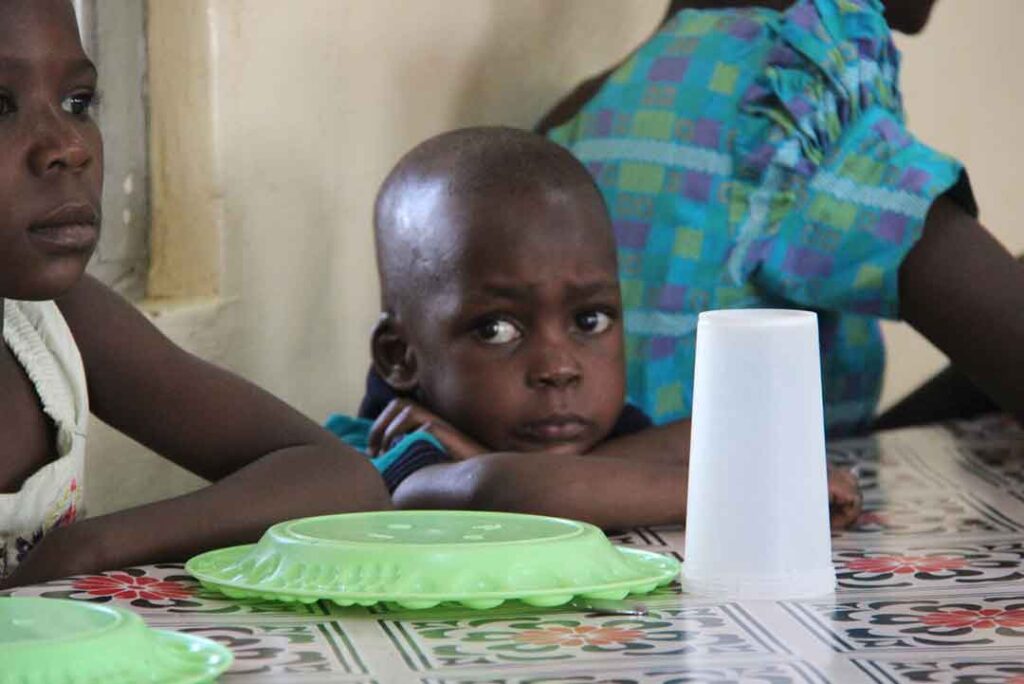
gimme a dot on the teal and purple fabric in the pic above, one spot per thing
(754, 158)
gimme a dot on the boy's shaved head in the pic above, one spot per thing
(416, 249)
(501, 303)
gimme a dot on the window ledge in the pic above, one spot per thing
(203, 326)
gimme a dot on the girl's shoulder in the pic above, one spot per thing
(38, 335)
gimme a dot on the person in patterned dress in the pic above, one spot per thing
(756, 154)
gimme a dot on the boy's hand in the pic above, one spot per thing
(844, 497)
(402, 416)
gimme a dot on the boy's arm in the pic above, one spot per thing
(639, 479)
(669, 443)
(964, 291)
(608, 492)
(270, 462)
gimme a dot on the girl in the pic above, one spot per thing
(72, 345)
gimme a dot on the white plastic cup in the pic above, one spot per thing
(757, 519)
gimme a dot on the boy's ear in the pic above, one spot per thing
(393, 358)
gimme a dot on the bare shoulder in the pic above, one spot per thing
(103, 322)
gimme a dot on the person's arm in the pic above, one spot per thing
(570, 105)
(638, 479)
(964, 291)
(608, 492)
(949, 395)
(669, 443)
(269, 462)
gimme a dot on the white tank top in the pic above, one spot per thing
(52, 496)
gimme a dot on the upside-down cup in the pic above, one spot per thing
(757, 520)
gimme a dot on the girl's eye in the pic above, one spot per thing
(78, 104)
(593, 322)
(498, 331)
(7, 105)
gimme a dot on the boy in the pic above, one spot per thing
(498, 376)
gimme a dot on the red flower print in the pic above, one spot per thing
(68, 516)
(975, 619)
(127, 588)
(584, 635)
(905, 565)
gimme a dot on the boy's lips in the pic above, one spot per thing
(553, 429)
(72, 227)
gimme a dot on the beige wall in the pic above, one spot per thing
(302, 106)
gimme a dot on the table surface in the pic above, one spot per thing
(929, 591)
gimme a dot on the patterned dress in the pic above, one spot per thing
(756, 158)
(52, 496)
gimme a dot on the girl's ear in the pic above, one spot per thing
(393, 358)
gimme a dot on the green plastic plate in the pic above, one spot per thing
(44, 641)
(419, 559)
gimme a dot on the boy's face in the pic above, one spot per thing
(520, 344)
(51, 164)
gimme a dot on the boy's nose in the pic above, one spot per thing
(57, 146)
(555, 370)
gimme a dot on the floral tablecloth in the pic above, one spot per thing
(930, 590)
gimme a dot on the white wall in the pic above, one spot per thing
(311, 101)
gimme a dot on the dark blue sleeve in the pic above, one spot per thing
(408, 457)
(377, 397)
(630, 420)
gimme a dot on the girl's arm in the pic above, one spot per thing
(963, 291)
(269, 462)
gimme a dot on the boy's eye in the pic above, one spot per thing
(7, 105)
(498, 331)
(593, 322)
(78, 104)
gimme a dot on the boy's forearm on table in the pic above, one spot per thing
(609, 492)
(669, 443)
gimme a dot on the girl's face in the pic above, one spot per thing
(51, 155)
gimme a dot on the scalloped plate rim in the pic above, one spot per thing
(661, 578)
